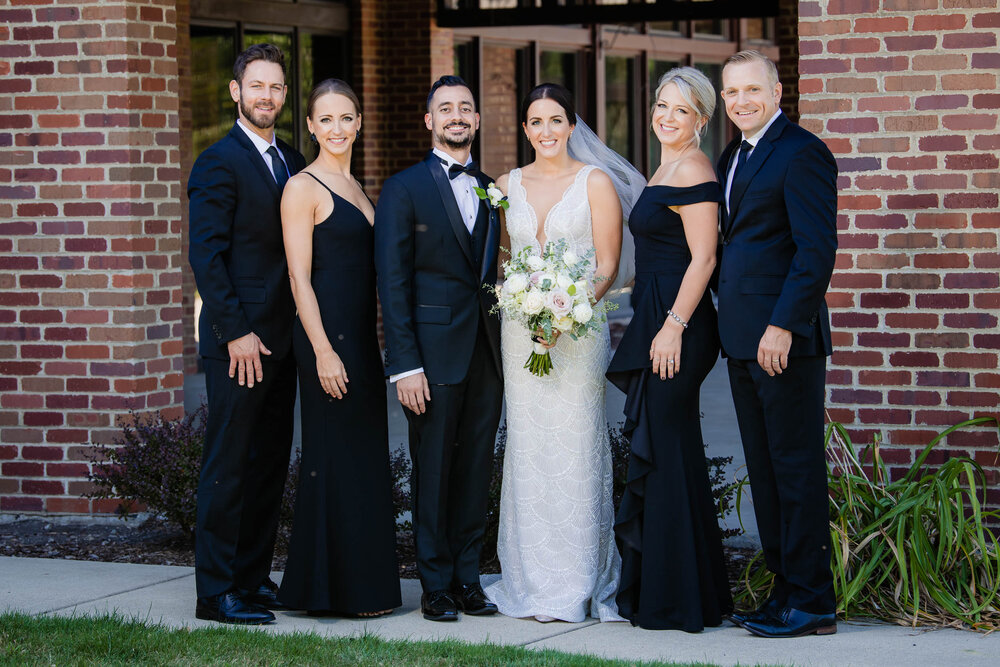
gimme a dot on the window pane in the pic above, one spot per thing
(715, 137)
(710, 27)
(286, 121)
(212, 108)
(657, 68)
(322, 57)
(558, 67)
(619, 105)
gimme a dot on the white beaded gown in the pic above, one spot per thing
(556, 544)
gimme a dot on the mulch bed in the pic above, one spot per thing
(155, 542)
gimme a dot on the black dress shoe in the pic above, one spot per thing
(471, 599)
(231, 608)
(789, 622)
(760, 614)
(265, 595)
(438, 606)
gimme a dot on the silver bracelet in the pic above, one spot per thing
(677, 319)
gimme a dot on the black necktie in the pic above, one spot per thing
(278, 166)
(472, 169)
(741, 159)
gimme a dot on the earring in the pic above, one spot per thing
(312, 136)
(357, 135)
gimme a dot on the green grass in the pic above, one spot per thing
(110, 640)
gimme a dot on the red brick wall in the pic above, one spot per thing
(500, 127)
(392, 73)
(90, 281)
(905, 94)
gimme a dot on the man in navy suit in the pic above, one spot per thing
(436, 246)
(245, 331)
(779, 240)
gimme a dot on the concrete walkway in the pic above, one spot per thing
(165, 595)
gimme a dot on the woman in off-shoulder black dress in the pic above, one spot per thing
(673, 569)
(342, 553)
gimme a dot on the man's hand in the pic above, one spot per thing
(412, 391)
(244, 359)
(772, 352)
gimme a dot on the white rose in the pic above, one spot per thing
(547, 275)
(535, 263)
(533, 303)
(563, 281)
(582, 312)
(570, 258)
(515, 283)
(564, 324)
(494, 194)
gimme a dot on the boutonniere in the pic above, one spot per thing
(492, 195)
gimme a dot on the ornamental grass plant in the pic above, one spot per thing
(917, 550)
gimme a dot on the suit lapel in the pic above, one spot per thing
(761, 151)
(451, 207)
(256, 159)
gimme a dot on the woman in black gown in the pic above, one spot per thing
(342, 555)
(673, 569)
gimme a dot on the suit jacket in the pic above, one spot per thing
(236, 248)
(779, 242)
(429, 283)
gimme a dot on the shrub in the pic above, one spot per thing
(156, 462)
(912, 551)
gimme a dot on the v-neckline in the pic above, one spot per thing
(548, 214)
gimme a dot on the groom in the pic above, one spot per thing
(436, 245)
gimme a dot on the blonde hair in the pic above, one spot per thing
(696, 90)
(753, 56)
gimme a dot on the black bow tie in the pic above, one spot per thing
(472, 169)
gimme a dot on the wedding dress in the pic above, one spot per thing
(556, 542)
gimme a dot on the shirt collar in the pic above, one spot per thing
(259, 142)
(449, 160)
(760, 133)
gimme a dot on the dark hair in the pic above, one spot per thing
(335, 86)
(266, 52)
(446, 80)
(550, 91)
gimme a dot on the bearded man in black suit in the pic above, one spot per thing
(436, 245)
(245, 330)
(779, 242)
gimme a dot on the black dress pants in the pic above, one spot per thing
(451, 447)
(781, 424)
(243, 471)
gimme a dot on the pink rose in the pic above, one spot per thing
(559, 302)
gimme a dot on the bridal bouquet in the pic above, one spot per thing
(550, 293)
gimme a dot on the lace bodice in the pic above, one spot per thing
(569, 218)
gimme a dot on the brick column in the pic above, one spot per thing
(905, 94)
(90, 278)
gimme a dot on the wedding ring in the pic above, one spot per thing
(775, 360)
(670, 361)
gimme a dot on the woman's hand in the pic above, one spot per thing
(332, 374)
(539, 338)
(665, 351)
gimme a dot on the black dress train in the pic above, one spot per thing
(673, 568)
(342, 555)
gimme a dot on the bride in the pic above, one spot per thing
(556, 542)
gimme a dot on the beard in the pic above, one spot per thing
(456, 143)
(258, 119)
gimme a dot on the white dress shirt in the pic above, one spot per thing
(753, 142)
(262, 145)
(468, 206)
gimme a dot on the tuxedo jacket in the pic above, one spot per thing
(430, 282)
(236, 248)
(778, 242)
